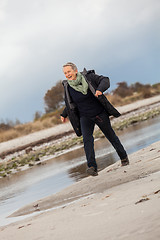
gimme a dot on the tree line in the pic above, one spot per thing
(54, 98)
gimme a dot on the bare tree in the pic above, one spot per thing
(54, 97)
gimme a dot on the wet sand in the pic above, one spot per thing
(120, 203)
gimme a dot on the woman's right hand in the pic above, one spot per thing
(63, 119)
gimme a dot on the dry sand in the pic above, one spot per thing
(120, 203)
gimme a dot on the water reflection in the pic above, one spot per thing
(79, 172)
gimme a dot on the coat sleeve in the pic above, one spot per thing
(64, 113)
(102, 83)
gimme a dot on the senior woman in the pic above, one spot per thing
(86, 106)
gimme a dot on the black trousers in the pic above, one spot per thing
(103, 122)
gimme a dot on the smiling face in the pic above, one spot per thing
(69, 73)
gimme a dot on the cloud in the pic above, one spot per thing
(38, 36)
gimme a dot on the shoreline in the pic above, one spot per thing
(119, 203)
(56, 132)
(125, 174)
(37, 155)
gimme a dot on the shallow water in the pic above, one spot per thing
(60, 172)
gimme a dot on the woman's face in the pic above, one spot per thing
(69, 73)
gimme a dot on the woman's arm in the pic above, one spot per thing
(102, 83)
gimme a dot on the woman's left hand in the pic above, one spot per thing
(98, 93)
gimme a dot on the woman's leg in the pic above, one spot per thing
(103, 121)
(87, 127)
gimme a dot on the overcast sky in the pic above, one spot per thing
(117, 38)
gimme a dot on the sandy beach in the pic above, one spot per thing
(120, 203)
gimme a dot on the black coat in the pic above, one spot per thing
(95, 82)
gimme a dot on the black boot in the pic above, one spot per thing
(91, 171)
(125, 161)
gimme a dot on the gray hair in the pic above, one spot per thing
(72, 65)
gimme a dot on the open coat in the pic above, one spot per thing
(95, 82)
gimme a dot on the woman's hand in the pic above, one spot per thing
(98, 93)
(63, 119)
